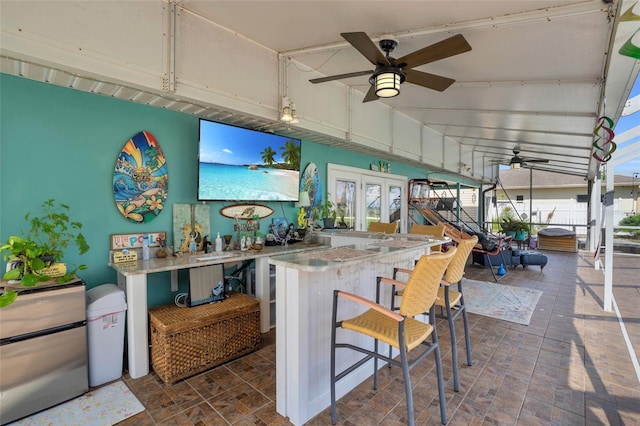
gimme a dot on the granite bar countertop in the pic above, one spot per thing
(329, 258)
(183, 261)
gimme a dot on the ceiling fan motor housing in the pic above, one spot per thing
(388, 44)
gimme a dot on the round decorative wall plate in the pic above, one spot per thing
(140, 179)
(246, 211)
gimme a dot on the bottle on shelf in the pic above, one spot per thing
(145, 247)
(218, 243)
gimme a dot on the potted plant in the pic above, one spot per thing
(508, 222)
(328, 212)
(521, 229)
(36, 258)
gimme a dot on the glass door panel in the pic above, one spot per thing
(373, 192)
(346, 203)
(395, 203)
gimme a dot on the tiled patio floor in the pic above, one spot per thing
(570, 366)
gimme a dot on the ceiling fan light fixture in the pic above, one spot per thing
(515, 163)
(388, 84)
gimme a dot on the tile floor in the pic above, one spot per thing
(570, 366)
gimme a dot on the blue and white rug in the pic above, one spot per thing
(104, 406)
(504, 302)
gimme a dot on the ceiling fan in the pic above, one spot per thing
(516, 161)
(390, 72)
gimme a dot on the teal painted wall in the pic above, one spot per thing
(62, 143)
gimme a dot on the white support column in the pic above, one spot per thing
(608, 253)
(596, 207)
(263, 292)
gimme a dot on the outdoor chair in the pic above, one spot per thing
(434, 230)
(451, 302)
(399, 329)
(387, 228)
(504, 243)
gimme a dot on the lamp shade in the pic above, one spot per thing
(286, 114)
(387, 84)
(303, 199)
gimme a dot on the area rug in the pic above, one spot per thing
(104, 406)
(504, 302)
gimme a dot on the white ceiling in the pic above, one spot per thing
(537, 76)
(534, 77)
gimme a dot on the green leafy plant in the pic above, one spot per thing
(51, 233)
(507, 220)
(630, 221)
(54, 231)
(521, 226)
(328, 208)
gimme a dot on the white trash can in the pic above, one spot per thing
(106, 308)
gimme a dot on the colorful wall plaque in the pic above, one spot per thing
(128, 241)
(190, 221)
(140, 179)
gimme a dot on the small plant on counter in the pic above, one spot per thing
(33, 259)
(327, 208)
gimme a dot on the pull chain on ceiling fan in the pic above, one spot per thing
(390, 73)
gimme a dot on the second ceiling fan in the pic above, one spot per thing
(390, 72)
(516, 161)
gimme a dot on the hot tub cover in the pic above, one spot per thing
(556, 232)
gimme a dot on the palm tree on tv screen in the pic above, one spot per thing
(291, 153)
(268, 156)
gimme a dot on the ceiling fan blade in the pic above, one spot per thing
(340, 76)
(430, 81)
(535, 160)
(371, 95)
(443, 49)
(366, 47)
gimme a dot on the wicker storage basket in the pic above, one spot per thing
(187, 341)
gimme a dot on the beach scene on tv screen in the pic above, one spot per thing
(245, 165)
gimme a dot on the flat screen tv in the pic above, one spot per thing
(237, 164)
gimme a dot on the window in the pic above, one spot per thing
(582, 198)
(520, 198)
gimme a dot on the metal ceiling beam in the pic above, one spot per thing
(514, 19)
(501, 111)
(510, 83)
(521, 143)
(510, 129)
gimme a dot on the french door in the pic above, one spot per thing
(364, 196)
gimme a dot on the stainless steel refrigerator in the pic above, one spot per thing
(43, 350)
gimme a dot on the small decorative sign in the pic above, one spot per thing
(246, 211)
(128, 241)
(125, 256)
